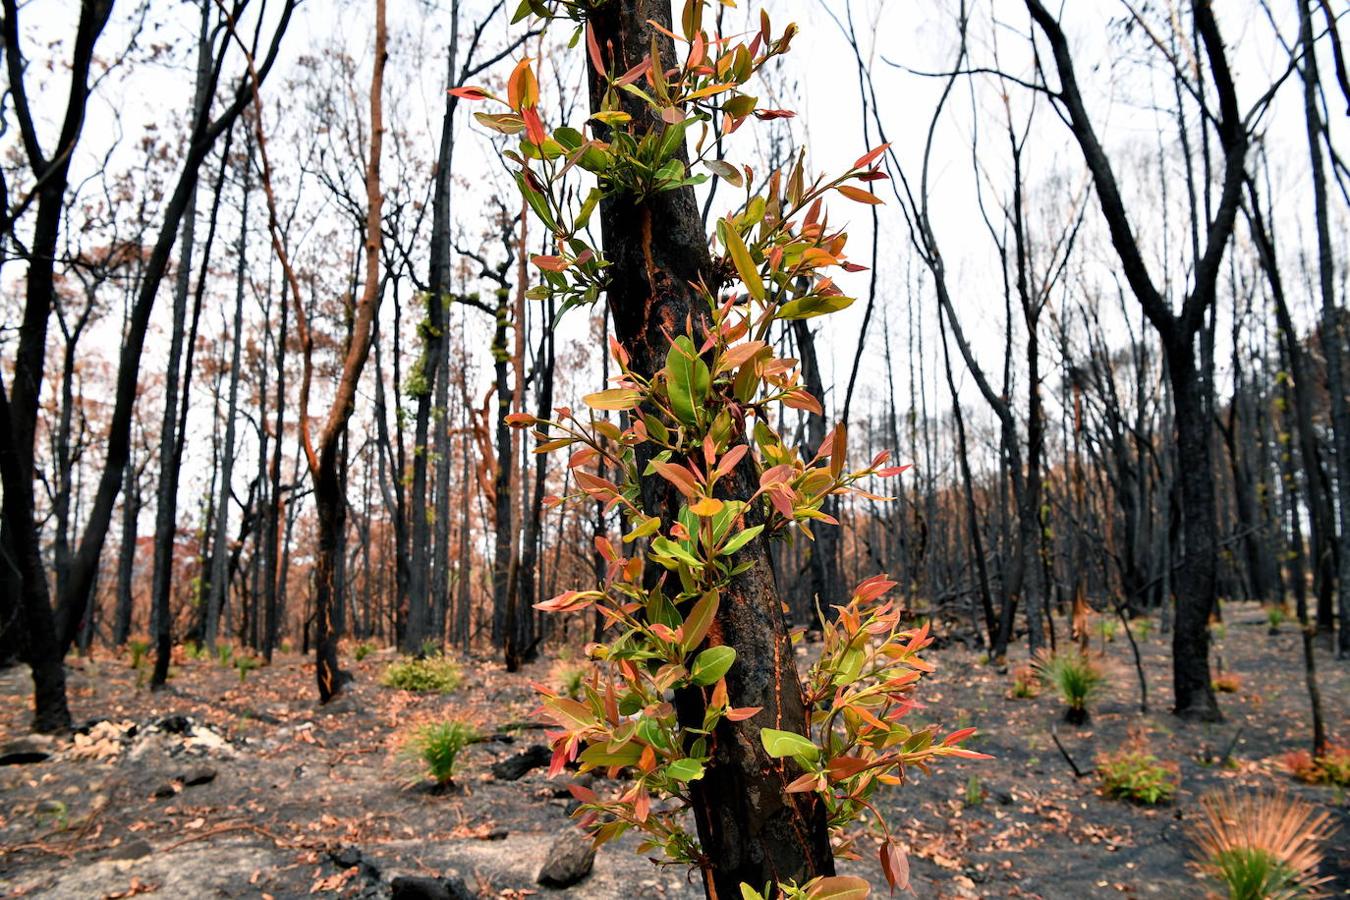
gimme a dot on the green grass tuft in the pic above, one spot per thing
(434, 674)
(1074, 676)
(436, 747)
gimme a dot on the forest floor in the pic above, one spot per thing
(230, 789)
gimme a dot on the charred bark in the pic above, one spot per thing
(751, 830)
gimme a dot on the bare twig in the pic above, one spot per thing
(1077, 772)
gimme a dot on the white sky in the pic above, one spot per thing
(151, 98)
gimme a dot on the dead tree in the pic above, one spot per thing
(1178, 331)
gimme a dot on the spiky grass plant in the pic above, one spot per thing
(435, 748)
(1074, 676)
(1260, 846)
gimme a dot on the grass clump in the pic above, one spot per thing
(435, 747)
(1259, 846)
(245, 663)
(975, 792)
(363, 649)
(1074, 677)
(571, 678)
(1107, 628)
(1135, 774)
(432, 674)
(1142, 627)
(1275, 616)
(1333, 767)
(138, 651)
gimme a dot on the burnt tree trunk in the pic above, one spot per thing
(968, 493)
(270, 532)
(219, 583)
(126, 561)
(526, 638)
(1191, 389)
(420, 597)
(41, 650)
(503, 562)
(751, 831)
(1332, 339)
(166, 514)
(823, 553)
(328, 466)
(50, 179)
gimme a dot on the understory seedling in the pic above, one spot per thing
(1107, 628)
(570, 677)
(363, 649)
(1025, 685)
(434, 674)
(1075, 677)
(975, 792)
(53, 813)
(1135, 773)
(1141, 627)
(435, 747)
(1259, 846)
(1275, 616)
(138, 650)
(1227, 682)
(1333, 767)
(246, 663)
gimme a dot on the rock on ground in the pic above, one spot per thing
(570, 858)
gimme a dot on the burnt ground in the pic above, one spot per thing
(296, 799)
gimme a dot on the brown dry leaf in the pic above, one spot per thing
(334, 882)
(136, 887)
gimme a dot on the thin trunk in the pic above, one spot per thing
(326, 462)
(1299, 579)
(1333, 336)
(529, 554)
(968, 492)
(166, 495)
(126, 564)
(219, 583)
